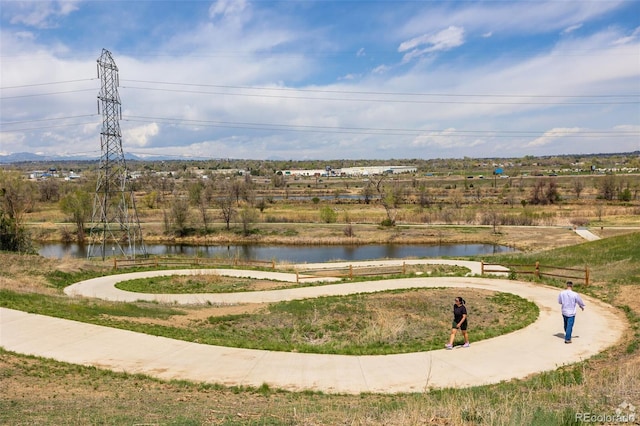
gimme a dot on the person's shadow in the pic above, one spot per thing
(561, 336)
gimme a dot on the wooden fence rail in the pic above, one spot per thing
(538, 270)
(350, 272)
(156, 262)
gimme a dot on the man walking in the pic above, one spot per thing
(569, 300)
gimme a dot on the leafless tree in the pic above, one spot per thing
(578, 186)
(248, 216)
(227, 204)
(179, 215)
(608, 186)
(387, 199)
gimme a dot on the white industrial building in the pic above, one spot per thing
(352, 171)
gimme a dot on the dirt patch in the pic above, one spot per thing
(194, 315)
(200, 284)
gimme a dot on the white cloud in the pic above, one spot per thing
(381, 69)
(571, 29)
(227, 8)
(628, 39)
(40, 14)
(509, 17)
(140, 136)
(442, 40)
(553, 135)
(224, 55)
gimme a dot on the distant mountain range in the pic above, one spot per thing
(29, 157)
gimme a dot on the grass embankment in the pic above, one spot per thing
(363, 324)
(41, 391)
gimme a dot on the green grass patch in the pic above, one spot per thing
(614, 260)
(85, 310)
(377, 323)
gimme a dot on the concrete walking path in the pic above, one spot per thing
(586, 234)
(538, 347)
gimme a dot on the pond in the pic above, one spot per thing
(296, 254)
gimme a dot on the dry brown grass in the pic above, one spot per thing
(38, 391)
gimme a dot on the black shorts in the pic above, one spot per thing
(463, 326)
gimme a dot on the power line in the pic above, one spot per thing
(409, 101)
(360, 92)
(47, 84)
(45, 94)
(28, 129)
(4, 123)
(379, 131)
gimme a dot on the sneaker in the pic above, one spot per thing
(567, 341)
(466, 345)
(448, 346)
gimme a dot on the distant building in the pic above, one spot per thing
(351, 171)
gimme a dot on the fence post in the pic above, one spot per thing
(586, 275)
(273, 265)
(297, 278)
(482, 267)
(350, 272)
(537, 271)
(404, 268)
(115, 263)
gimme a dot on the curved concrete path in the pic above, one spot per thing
(538, 347)
(104, 287)
(586, 234)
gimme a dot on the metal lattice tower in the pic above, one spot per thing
(115, 226)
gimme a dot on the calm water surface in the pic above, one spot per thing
(296, 254)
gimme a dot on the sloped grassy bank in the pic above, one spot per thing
(39, 391)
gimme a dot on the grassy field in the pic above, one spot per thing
(366, 324)
(40, 391)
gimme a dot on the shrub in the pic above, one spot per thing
(328, 215)
(388, 222)
(348, 231)
(579, 221)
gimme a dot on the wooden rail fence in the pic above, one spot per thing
(350, 272)
(156, 262)
(539, 271)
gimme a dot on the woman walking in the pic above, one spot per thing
(459, 323)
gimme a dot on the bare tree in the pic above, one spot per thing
(226, 204)
(578, 186)
(248, 216)
(200, 195)
(236, 188)
(368, 191)
(457, 197)
(608, 186)
(424, 197)
(179, 216)
(388, 201)
(544, 193)
(49, 190)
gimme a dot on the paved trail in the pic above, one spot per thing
(538, 347)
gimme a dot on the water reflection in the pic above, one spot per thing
(296, 254)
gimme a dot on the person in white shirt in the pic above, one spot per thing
(570, 300)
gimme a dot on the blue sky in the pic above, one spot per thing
(325, 79)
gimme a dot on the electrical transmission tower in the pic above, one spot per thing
(115, 226)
